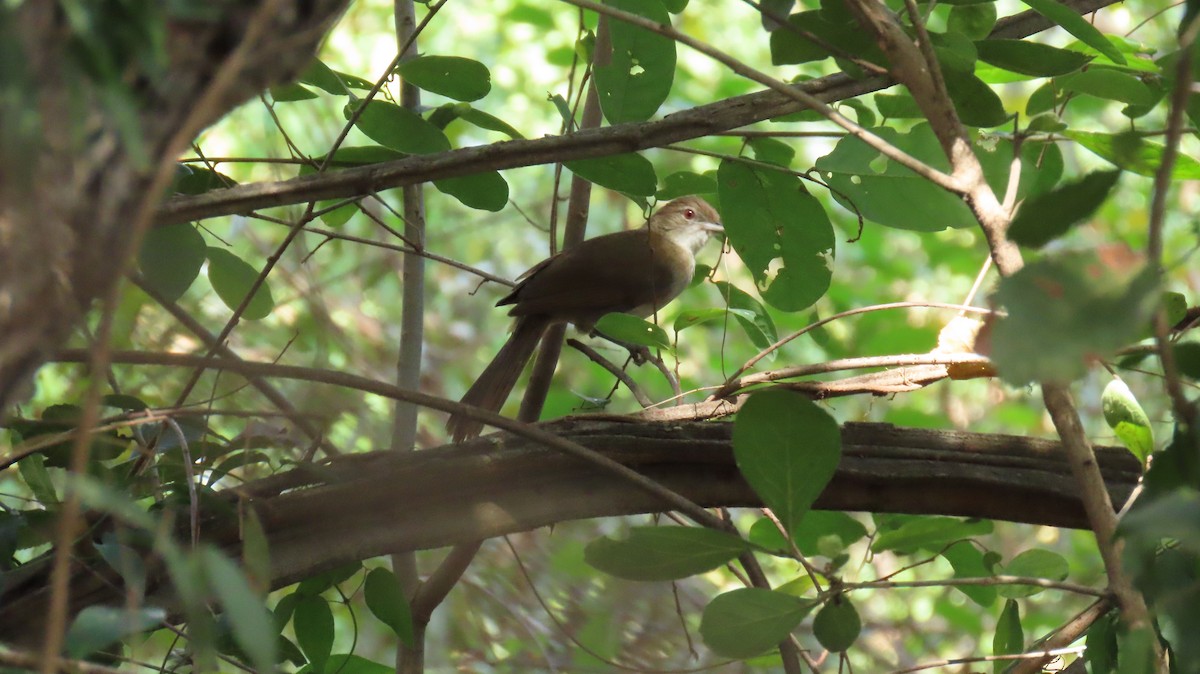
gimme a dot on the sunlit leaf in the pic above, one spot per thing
(636, 79)
(454, 77)
(1127, 419)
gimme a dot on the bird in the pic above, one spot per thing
(635, 272)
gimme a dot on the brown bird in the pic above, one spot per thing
(635, 272)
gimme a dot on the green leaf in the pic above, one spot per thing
(627, 173)
(837, 624)
(253, 626)
(898, 106)
(1187, 359)
(928, 532)
(287, 93)
(1101, 653)
(37, 478)
(331, 81)
(1076, 25)
(790, 47)
(1127, 419)
(772, 151)
(398, 128)
(788, 449)
(232, 278)
(750, 620)
(974, 21)
(313, 623)
(488, 121)
(1010, 637)
(819, 526)
(636, 79)
(1033, 563)
(1108, 84)
(171, 258)
(1135, 154)
(350, 664)
(885, 192)
(1043, 218)
(387, 602)
(198, 180)
(256, 557)
(1175, 515)
(1044, 98)
(683, 183)
(758, 325)
(768, 215)
(1066, 311)
(976, 103)
(451, 76)
(1135, 651)
(967, 562)
(1030, 58)
(487, 191)
(97, 627)
(627, 328)
(663, 553)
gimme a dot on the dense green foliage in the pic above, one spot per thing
(817, 222)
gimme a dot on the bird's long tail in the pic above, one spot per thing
(492, 387)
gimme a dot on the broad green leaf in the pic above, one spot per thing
(1065, 311)
(1044, 218)
(451, 76)
(764, 534)
(683, 183)
(974, 21)
(1174, 306)
(1135, 651)
(1101, 653)
(1076, 25)
(1035, 563)
(1009, 638)
(635, 80)
(758, 326)
(1135, 154)
(344, 663)
(788, 449)
(232, 278)
(97, 627)
(198, 180)
(837, 624)
(768, 215)
(627, 328)
(1108, 84)
(898, 106)
(398, 128)
(339, 84)
(252, 624)
(488, 121)
(627, 173)
(746, 622)
(791, 46)
(1127, 419)
(1030, 58)
(928, 532)
(663, 553)
(772, 151)
(967, 562)
(887, 193)
(487, 191)
(314, 585)
(287, 93)
(955, 53)
(1175, 515)
(977, 104)
(819, 525)
(387, 602)
(1043, 99)
(171, 258)
(313, 623)
(1187, 359)
(37, 478)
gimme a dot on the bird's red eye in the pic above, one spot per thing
(689, 213)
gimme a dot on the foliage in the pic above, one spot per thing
(1041, 112)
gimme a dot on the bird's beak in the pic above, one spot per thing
(712, 227)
